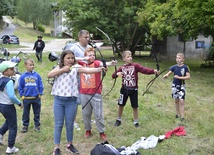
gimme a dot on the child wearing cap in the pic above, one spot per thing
(39, 45)
(7, 108)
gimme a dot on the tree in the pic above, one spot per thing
(185, 17)
(35, 11)
(7, 8)
(117, 18)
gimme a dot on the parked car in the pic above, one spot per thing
(10, 39)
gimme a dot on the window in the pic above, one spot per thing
(199, 44)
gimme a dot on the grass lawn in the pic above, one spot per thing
(156, 115)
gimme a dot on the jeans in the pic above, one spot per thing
(39, 55)
(36, 105)
(9, 113)
(64, 110)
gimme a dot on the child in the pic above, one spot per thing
(90, 92)
(65, 91)
(181, 73)
(7, 108)
(129, 73)
(30, 89)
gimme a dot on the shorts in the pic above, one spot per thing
(125, 93)
(178, 91)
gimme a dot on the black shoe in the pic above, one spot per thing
(37, 128)
(72, 149)
(136, 125)
(24, 129)
(182, 119)
(176, 116)
(57, 151)
(117, 123)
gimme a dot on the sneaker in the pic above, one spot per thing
(176, 116)
(24, 129)
(182, 119)
(72, 149)
(88, 134)
(117, 123)
(136, 125)
(76, 126)
(12, 150)
(57, 151)
(1, 139)
(37, 128)
(103, 136)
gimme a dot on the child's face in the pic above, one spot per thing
(128, 58)
(9, 72)
(69, 59)
(29, 66)
(91, 56)
(179, 59)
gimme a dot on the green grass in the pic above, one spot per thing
(156, 115)
(156, 112)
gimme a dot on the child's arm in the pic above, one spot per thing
(11, 93)
(187, 77)
(90, 70)
(167, 74)
(109, 63)
(57, 71)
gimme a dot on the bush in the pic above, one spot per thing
(209, 61)
(41, 28)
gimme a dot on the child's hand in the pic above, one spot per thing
(176, 77)
(66, 69)
(113, 62)
(165, 76)
(119, 74)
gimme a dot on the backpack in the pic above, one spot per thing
(104, 149)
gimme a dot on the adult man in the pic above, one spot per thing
(39, 46)
(79, 49)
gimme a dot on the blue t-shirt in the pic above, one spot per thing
(180, 71)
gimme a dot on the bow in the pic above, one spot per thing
(156, 75)
(115, 68)
(103, 73)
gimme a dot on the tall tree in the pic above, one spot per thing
(7, 8)
(172, 17)
(117, 18)
(35, 11)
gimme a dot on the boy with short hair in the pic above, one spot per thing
(129, 73)
(30, 89)
(181, 73)
(7, 108)
(91, 97)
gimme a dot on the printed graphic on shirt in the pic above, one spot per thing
(29, 81)
(129, 77)
(39, 44)
(88, 80)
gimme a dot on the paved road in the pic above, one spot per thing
(54, 45)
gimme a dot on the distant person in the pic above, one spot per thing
(181, 73)
(39, 46)
(79, 49)
(30, 89)
(65, 91)
(7, 108)
(129, 73)
(91, 97)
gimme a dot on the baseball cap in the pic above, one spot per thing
(6, 64)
